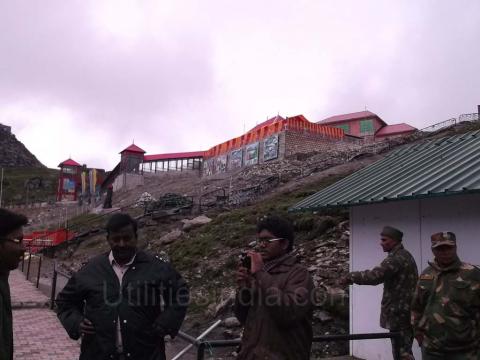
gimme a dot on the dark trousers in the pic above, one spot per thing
(402, 346)
(469, 355)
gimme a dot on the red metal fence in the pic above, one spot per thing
(39, 240)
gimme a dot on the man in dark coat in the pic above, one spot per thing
(398, 273)
(125, 302)
(11, 250)
(274, 297)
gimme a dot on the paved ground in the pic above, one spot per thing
(38, 335)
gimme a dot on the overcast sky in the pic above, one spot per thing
(85, 78)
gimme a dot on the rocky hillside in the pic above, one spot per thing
(13, 153)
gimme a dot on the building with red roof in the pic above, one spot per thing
(394, 131)
(275, 119)
(69, 180)
(367, 125)
(77, 180)
(133, 149)
(182, 161)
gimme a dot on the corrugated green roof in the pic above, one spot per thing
(439, 167)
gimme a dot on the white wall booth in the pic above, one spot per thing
(417, 219)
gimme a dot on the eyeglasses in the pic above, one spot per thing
(259, 241)
(15, 241)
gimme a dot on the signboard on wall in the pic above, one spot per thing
(251, 154)
(270, 148)
(236, 157)
(68, 185)
(221, 164)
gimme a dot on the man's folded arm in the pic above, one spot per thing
(291, 303)
(70, 303)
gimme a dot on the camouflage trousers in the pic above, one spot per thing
(404, 345)
(470, 355)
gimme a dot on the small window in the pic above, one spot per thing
(69, 170)
(345, 127)
(366, 127)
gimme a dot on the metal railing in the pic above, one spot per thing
(251, 193)
(469, 117)
(212, 198)
(203, 345)
(53, 290)
(29, 263)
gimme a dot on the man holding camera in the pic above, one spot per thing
(274, 297)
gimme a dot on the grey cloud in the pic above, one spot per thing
(50, 50)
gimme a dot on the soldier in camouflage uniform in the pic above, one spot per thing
(398, 272)
(446, 305)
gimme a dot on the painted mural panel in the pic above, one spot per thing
(69, 185)
(270, 148)
(208, 167)
(236, 159)
(251, 154)
(221, 164)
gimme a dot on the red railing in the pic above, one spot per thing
(39, 240)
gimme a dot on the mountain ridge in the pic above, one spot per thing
(13, 153)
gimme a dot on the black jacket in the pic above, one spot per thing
(6, 332)
(148, 286)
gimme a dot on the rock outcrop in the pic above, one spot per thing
(14, 154)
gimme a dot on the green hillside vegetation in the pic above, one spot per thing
(214, 247)
(29, 185)
(236, 228)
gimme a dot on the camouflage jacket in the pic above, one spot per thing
(398, 272)
(446, 307)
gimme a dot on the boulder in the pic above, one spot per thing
(170, 237)
(224, 305)
(231, 322)
(189, 224)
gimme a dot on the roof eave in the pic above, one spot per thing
(385, 200)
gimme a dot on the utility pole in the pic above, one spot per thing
(66, 217)
(1, 189)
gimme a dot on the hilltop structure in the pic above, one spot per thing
(77, 182)
(368, 126)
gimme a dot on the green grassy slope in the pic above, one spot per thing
(22, 185)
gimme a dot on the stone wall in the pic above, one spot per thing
(289, 143)
(127, 181)
(269, 149)
(174, 174)
(300, 142)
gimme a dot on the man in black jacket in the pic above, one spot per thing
(11, 250)
(124, 302)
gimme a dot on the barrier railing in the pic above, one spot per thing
(203, 345)
(212, 198)
(29, 264)
(53, 291)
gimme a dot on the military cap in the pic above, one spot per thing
(392, 233)
(443, 238)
